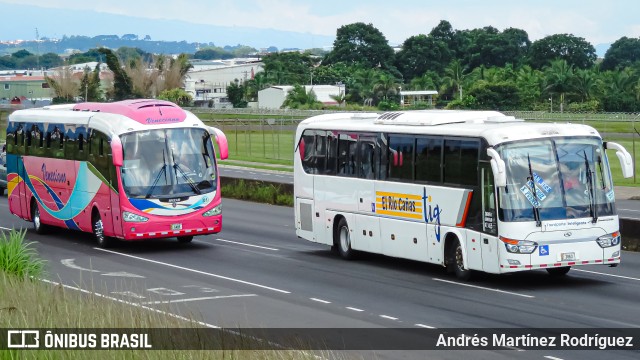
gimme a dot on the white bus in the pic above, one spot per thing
(470, 190)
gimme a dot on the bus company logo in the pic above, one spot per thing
(406, 206)
(23, 339)
(53, 176)
(431, 213)
(161, 120)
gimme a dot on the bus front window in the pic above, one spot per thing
(171, 162)
(571, 179)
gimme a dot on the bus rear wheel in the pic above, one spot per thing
(342, 239)
(559, 271)
(185, 239)
(98, 233)
(455, 262)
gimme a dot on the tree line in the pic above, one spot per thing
(480, 68)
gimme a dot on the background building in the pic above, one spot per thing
(273, 97)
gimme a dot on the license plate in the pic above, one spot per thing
(176, 226)
(568, 256)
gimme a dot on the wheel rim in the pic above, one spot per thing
(459, 259)
(98, 231)
(36, 218)
(345, 241)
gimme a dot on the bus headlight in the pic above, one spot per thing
(215, 211)
(609, 240)
(519, 246)
(131, 217)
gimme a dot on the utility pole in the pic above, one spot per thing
(37, 50)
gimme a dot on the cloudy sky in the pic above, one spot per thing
(596, 21)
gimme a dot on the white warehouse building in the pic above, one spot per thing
(210, 81)
(273, 97)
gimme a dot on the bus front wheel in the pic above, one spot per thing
(98, 232)
(559, 271)
(343, 240)
(455, 262)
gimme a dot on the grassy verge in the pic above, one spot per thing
(17, 257)
(258, 191)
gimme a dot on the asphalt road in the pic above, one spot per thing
(257, 273)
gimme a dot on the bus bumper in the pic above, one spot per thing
(160, 228)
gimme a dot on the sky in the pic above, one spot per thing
(598, 22)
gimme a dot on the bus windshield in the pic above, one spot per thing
(553, 179)
(168, 163)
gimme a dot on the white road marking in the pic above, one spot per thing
(165, 291)
(196, 271)
(4, 228)
(123, 274)
(129, 294)
(484, 288)
(612, 275)
(245, 244)
(203, 289)
(196, 299)
(388, 317)
(321, 301)
(354, 309)
(70, 263)
(130, 303)
(629, 210)
(552, 358)
(425, 326)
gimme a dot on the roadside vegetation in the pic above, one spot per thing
(258, 191)
(27, 303)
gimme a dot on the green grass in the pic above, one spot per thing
(257, 191)
(17, 257)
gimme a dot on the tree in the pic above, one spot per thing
(576, 51)
(385, 86)
(288, 68)
(363, 44)
(299, 98)
(454, 78)
(235, 93)
(176, 96)
(64, 85)
(89, 89)
(421, 53)
(622, 53)
(559, 78)
(444, 32)
(122, 85)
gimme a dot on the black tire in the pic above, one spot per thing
(185, 239)
(38, 226)
(455, 263)
(558, 271)
(342, 239)
(98, 233)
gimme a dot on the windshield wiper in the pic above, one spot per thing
(536, 210)
(177, 168)
(593, 209)
(163, 170)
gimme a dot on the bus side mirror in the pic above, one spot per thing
(221, 139)
(498, 168)
(116, 151)
(626, 163)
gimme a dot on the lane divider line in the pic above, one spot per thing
(605, 274)
(245, 244)
(484, 288)
(321, 301)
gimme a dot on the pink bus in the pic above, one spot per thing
(131, 170)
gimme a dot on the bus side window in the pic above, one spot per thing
(366, 160)
(332, 154)
(428, 158)
(307, 152)
(401, 149)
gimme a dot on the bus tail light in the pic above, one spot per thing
(609, 240)
(215, 211)
(131, 217)
(519, 246)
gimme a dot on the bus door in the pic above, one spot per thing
(21, 203)
(488, 238)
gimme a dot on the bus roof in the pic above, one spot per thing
(112, 118)
(494, 126)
